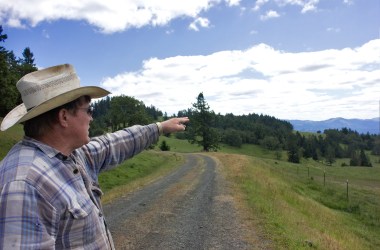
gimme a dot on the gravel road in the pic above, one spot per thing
(191, 208)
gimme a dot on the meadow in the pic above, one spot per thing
(296, 206)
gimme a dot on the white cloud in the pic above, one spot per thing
(308, 85)
(306, 5)
(109, 16)
(269, 15)
(332, 29)
(45, 34)
(259, 4)
(253, 32)
(348, 2)
(233, 2)
(170, 31)
(115, 15)
(310, 5)
(15, 23)
(199, 22)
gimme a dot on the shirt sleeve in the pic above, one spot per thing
(107, 151)
(26, 219)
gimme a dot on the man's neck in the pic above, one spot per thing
(58, 141)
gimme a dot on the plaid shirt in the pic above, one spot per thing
(50, 201)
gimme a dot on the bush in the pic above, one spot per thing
(164, 146)
(232, 138)
(96, 132)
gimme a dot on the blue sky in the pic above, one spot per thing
(292, 59)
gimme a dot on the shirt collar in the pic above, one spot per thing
(48, 150)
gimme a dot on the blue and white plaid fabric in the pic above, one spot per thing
(50, 201)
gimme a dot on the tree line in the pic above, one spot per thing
(114, 113)
(206, 128)
(12, 68)
(209, 130)
(334, 144)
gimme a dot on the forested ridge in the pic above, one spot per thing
(210, 130)
(206, 128)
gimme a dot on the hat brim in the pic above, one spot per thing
(20, 114)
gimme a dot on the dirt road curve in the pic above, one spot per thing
(189, 209)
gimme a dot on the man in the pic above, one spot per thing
(49, 192)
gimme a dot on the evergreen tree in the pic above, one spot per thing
(200, 129)
(26, 63)
(270, 142)
(355, 160)
(164, 146)
(8, 78)
(153, 112)
(3, 37)
(364, 159)
(293, 149)
(232, 137)
(127, 111)
(11, 70)
(376, 146)
(330, 154)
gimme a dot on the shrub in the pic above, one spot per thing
(164, 146)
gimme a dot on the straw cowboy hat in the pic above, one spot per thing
(46, 89)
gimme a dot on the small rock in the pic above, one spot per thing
(309, 243)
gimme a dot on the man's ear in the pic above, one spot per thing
(63, 117)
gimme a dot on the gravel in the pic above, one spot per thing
(191, 208)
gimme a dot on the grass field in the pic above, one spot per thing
(9, 138)
(307, 205)
(298, 211)
(298, 206)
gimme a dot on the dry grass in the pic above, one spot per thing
(291, 220)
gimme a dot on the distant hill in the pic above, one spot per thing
(360, 125)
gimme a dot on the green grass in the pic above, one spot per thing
(180, 146)
(135, 172)
(297, 209)
(8, 138)
(251, 150)
(302, 204)
(140, 166)
(183, 146)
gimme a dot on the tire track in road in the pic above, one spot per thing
(187, 209)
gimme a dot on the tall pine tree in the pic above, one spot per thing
(11, 70)
(201, 130)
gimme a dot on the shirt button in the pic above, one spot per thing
(76, 171)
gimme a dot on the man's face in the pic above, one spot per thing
(80, 120)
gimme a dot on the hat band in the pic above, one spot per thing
(51, 84)
(37, 94)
